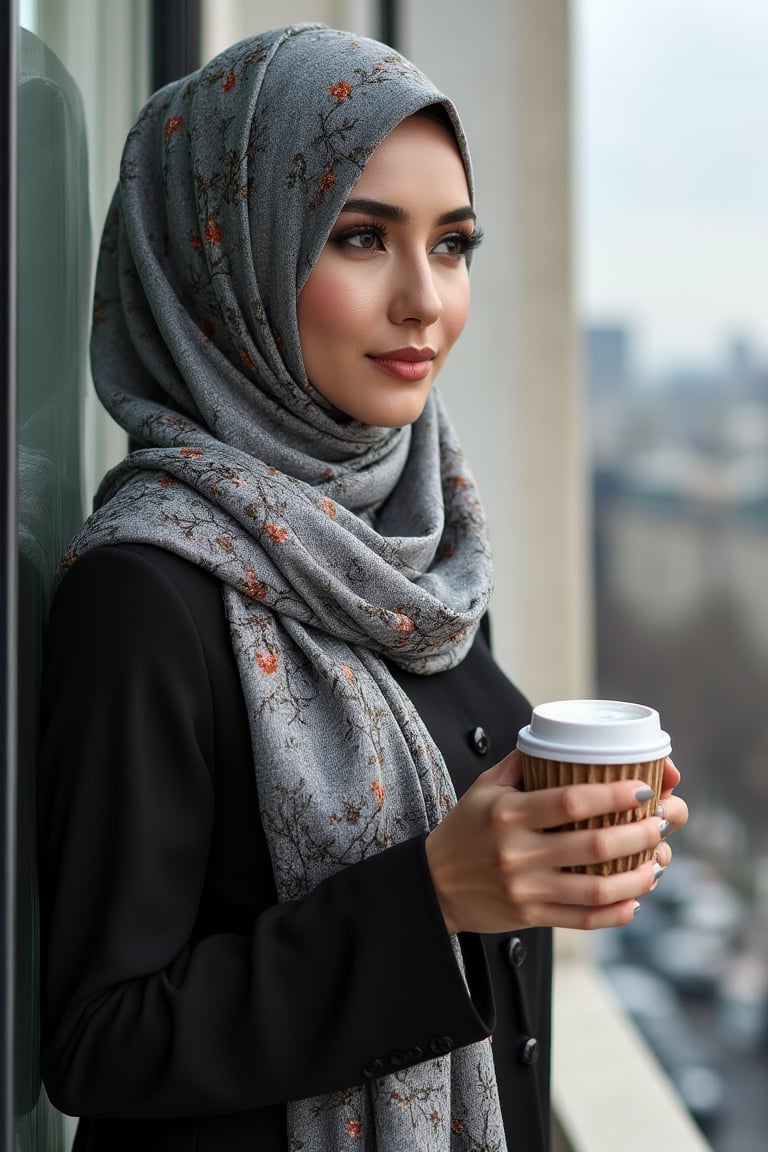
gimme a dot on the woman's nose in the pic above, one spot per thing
(415, 296)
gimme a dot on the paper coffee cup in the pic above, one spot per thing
(593, 741)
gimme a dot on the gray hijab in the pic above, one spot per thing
(336, 543)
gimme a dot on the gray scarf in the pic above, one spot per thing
(336, 543)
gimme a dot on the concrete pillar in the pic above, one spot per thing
(513, 386)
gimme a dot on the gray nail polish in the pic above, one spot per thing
(664, 829)
(636, 908)
(658, 871)
(643, 794)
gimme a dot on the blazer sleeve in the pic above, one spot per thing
(140, 1017)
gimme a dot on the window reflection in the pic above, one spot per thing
(53, 287)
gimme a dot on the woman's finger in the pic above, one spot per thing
(572, 803)
(670, 777)
(585, 847)
(599, 891)
(589, 902)
(663, 855)
(588, 919)
(675, 812)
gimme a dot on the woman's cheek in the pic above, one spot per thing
(331, 303)
(457, 310)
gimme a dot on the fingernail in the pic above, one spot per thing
(661, 811)
(664, 828)
(636, 908)
(643, 794)
(658, 871)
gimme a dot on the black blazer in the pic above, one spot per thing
(182, 1005)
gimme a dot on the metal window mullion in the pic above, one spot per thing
(176, 28)
(8, 558)
(390, 23)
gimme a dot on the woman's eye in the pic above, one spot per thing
(457, 244)
(365, 239)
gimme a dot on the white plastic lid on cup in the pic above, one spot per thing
(594, 732)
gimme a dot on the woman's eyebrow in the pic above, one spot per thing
(457, 215)
(399, 215)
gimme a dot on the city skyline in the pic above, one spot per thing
(671, 175)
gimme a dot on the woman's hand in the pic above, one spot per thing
(497, 866)
(672, 809)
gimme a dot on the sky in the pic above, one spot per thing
(671, 173)
(27, 13)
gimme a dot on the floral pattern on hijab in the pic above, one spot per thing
(337, 544)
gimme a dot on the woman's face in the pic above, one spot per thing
(389, 294)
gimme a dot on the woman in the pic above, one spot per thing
(268, 673)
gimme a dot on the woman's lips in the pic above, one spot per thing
(406, 363)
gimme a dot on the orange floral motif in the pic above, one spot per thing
(212, 230)
(378, 790)
(340, 91)
(457, 1126)
(354, 1128)
(326, 179)
(459, 482)
(191, 453)
(166, 481)
(229, 82)
(195, 241)
(268, 662)
(173, 124)
(328, 507)
(348, 673)
(253, 588)
(245, 357)
(276, 535)
(225, 543)
(404, 624)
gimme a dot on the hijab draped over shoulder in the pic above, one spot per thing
(338, 545)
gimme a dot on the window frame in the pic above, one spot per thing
(8, 557)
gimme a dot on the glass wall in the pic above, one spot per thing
(75, 100)
(53, 278)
